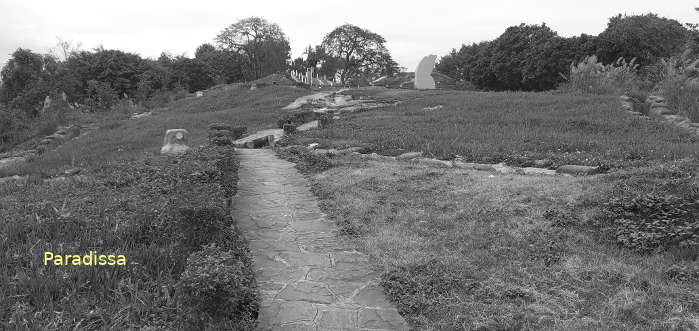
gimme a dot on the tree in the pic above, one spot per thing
(263, 46)
(26, 80)
(358, 52)
(525, 57)
(644, 37)
(20, 73)
(223, 66)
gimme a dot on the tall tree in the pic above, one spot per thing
(358, 52)
(263, 46)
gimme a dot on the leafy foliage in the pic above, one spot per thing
(101, 96)
(525, 57)
(651, 222)
(644, 37)
(263, 45)
(533, 57)
(219, 288)
(358, 54)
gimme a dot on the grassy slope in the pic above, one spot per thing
(127, 210)
(118, 139)
(513, 127)
(463, 250)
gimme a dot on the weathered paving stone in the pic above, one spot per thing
(295, 311)
(371, 318)
(309, 279)
(372, 295)
(337, 319)
(312, 226)
(306, 259)
(307, 291)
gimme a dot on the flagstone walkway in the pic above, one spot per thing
(309, 278)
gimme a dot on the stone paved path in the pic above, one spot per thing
(309, 279)
(277, 133)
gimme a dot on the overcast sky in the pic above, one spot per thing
(412, 29)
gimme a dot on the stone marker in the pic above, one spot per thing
(423, 78)
(175, 142)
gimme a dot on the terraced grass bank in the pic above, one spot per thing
(516, 128)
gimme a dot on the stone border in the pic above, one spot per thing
(659, 108)
(416, 158)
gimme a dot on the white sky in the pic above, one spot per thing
(412, 29)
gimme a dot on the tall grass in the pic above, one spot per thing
(592, 76)
(680, 86)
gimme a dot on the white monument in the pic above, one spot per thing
(175, 142)
(423, 73)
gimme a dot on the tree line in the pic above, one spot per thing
(524, 57)
(246, 50)
(535, 58)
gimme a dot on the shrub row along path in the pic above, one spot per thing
(309, 278)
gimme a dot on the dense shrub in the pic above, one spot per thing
(218, 288)
(651, 222)
(525, 57)
(533, 57)
(100, 95)
(648, 38)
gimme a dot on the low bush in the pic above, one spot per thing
(651, 222)
(218, 289)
